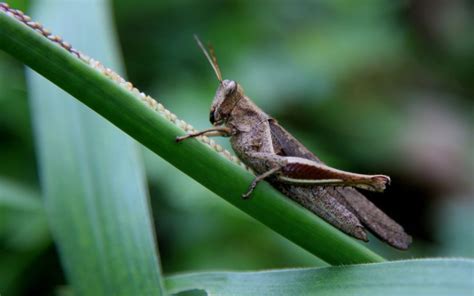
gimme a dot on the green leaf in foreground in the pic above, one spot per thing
(126, 110)
(430, 277)
(91, 174)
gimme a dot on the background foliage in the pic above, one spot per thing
(378, 86)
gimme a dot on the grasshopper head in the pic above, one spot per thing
(227, 95)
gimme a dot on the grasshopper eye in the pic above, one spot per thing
(211, 117)
(230, 87)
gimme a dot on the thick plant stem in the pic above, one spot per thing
(128, 110)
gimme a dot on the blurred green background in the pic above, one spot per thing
(369, 86)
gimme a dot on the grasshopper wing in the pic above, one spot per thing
(371, 216)
(377, 221)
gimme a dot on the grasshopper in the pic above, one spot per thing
(276, 156)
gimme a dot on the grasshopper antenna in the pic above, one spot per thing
(210, 57)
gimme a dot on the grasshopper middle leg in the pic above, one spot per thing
(257, 180)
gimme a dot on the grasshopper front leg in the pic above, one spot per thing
(210, 132)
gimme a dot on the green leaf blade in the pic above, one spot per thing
(430, 277)
(92, 176)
